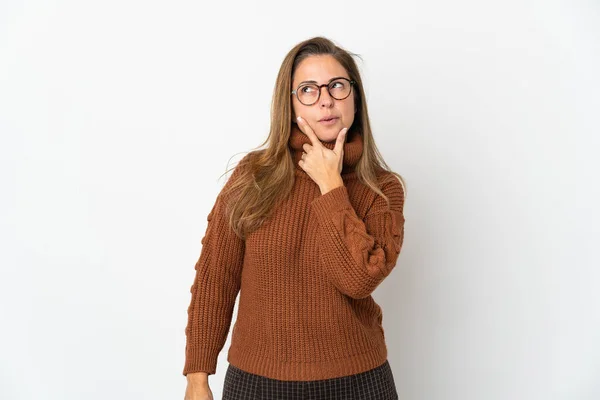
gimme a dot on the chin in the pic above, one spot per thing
(329, 133)
(327, 137)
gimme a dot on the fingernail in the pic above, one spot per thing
(299, 118)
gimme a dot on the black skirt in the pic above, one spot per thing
(375, 384)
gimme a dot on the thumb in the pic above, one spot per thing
(339, 143)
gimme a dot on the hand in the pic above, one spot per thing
(324, 166)
(198, 390)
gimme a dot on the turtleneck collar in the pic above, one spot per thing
(353, 148)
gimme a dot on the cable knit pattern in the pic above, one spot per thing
(357, 254)
(305, 279)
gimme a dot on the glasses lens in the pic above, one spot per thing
(308, 94)
(339, 89)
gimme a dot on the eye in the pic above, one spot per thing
(307, 89)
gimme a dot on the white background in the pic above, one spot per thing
(118, 117)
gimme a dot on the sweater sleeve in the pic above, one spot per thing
(216, 285)
(357, 254)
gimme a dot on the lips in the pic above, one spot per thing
(327, 118)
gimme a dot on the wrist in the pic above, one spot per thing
(329, 186)
(197, 377)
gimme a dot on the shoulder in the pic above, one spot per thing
(241, 167)
(243, 163)
(391, 185)
(239, 174)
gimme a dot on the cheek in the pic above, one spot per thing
(348, 112)
(300, 109)
(309, 113)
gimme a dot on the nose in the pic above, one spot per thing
(325, 99)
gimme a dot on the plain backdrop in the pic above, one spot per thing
(117, 119)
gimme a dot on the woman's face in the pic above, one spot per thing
(321, 69)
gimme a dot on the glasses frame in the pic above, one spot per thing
(351, 82)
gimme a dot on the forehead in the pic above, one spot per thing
(319, 68)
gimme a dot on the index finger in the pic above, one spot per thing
(308, 131)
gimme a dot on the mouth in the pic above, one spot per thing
(327, 119)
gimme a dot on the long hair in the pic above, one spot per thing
(267, 175)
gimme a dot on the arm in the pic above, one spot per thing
(358, 254)
(215, 288)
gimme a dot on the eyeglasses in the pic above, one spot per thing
(308, 94)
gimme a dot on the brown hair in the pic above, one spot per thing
(267, 175)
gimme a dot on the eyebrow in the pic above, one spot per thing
(332, 79)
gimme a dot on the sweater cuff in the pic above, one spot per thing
(201, 360)
(335, 200)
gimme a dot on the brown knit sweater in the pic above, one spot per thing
(305, 279)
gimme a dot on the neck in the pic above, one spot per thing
(353, 148)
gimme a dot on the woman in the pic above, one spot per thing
(305, 229)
